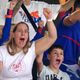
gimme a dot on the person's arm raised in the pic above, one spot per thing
(72, 18)
(44, 43)
(7, 26)
(39, 61)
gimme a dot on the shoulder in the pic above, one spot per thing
(3, 50)
(31, 50)
(45, 70)
(3, 47)
(64, 75)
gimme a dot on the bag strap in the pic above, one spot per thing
(16, 8)
(29, 17)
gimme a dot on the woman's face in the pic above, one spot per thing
(21, 35)
(56, 57)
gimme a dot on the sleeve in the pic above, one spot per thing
(31, 52)
(7, 27)
(67, 77)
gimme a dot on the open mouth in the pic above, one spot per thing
(58, 61)
(22, 39)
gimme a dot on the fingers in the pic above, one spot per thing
(47, 13)
(12, 4)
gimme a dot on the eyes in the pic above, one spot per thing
(56, 53)
(21, 31)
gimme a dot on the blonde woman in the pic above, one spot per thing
(17, 57)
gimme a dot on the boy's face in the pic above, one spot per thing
(56, 57)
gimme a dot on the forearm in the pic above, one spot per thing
(50, 38)
(52, 30)
(7, 27)
(39, 62)
(39, 68)
(72, 18)
(75, 16)
(67, 5)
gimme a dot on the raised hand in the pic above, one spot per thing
(12, 4)
(47, 13)
(17, 7)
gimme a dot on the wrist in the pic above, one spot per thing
(9, 12)
(49, 20)
(8, 16)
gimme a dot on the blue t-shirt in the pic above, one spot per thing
(69, 39)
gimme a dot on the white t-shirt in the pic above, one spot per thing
(48, 74)
(19, 66)
(36, 10)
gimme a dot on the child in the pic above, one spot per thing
(52, 71)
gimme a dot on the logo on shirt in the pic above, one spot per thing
(52, 77)
(35, 16)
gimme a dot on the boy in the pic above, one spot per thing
(52, 71)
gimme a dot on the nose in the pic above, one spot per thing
(58, 55)
(22, 33)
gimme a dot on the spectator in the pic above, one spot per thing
(35, 8)
(69, 37)
(17, 57)
(52, 71)
(5, 33)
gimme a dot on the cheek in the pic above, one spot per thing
(16, 36)
(26, 36)
(62, 58)
(53, 58)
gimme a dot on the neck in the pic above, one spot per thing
(18, 49)
(55, 70)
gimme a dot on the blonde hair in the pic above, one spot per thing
(11, 46)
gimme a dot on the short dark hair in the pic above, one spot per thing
(54, 47)
(77, 4)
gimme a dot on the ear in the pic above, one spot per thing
(48, 56)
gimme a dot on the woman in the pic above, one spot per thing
(17, 57)
(35, 8)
